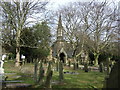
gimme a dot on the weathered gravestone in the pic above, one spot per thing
(112, 81)
(61, 76)
(101, 67)
(41, 74)
(49, 77)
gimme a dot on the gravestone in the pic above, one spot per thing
(1, 67)
(3, 57)
(48, 79)
(61, 76)
(23, 59)
(101, 67)
(41, 74)
(112, 81)
(1, 72)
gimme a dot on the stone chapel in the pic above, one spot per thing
(61, 49)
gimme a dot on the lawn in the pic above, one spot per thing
(91, 79)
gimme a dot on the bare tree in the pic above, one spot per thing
(76, 26)
(16, 16)
(103, 26)
(92, 23)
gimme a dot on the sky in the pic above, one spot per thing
(54, 4)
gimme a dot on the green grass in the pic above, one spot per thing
(91, 79)
(83, 80)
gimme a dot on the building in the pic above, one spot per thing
(61, 49)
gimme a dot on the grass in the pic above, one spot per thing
(82, 80)
(90, 79)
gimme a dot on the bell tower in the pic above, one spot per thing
(60, 41)
(59, 47)
(60, 30)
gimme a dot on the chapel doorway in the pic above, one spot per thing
(62, 57)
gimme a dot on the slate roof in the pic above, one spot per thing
(67, 49)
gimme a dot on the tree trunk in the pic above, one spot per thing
(75, 64)
(17, 63)
(49, 68)
(35, 71)
(108, 66)
(69, 63)
(96, 59)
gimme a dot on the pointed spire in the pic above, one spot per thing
(60, 23)
(60, 29)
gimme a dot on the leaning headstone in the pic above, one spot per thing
(112, 81)
(49, 76)
(48, 80)
(41, 74)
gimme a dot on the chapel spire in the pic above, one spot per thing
(60, 29)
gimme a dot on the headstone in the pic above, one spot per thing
(41, 73)
(48, 77)
(3, 57)
(1, 67)
(112, 81)
(61, 76)
(86, 67)
(23, 59)
(1, 72)
(101, 67)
